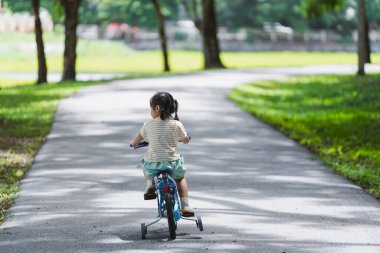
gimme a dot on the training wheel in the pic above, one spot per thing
(199, 223)
(144, 231)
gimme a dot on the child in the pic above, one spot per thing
(163, 133)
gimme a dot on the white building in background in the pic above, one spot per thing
(24, 22)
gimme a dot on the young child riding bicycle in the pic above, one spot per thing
(164, 132)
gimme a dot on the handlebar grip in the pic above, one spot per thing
(141, 144)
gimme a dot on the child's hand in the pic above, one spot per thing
(186, 139)
(135, 142)
(132, 144)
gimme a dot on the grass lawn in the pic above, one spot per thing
(4, 83)
(18, 54)
(337, 117)
(26, 115)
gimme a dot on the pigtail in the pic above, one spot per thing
(176, 110)
(162, 114)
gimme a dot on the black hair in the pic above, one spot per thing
(167, 103)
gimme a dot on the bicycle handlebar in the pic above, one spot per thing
(140, 145)
(145, 144)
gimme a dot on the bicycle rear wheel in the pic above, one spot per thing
(144, 231)
(170, 215)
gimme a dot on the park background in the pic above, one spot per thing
(337, 117)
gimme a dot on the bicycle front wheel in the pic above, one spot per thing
(170, 215)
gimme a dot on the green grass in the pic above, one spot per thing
(337, 117)
(4, 83)
(287, 59)
(17, 54)
(26, 115)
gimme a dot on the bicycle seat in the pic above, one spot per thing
(168, 171)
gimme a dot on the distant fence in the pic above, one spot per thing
(187, 37)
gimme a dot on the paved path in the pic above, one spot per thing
(256, 190)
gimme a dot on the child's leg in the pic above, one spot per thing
(150, 187)
(184, 193)
(146, 178)
(182, 187)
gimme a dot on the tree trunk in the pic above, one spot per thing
(367, 40)
(193, 13)
(210, 38)
(42, 68)
(361, 38)
(71, 8)
(163, 38)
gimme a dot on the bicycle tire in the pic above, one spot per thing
(170, 216)
(143, 231)
(199, 223)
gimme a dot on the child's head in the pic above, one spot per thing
(164, 105)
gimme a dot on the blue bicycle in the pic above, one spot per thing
(168, 203)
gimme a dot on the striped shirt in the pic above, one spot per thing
(163, 137)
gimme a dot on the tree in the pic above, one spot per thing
(367, 40)
(207, 26)
(162, 32)
(71, 8)
(193, 13)
(211, 49)
(42, 68)
(318, 7)
(361, 37)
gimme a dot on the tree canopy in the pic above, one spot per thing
(337, 15)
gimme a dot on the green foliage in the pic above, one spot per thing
(315, 8)
(253, 13)
(326, 14)
(57, 11)
(18, 6)
(293, 13)
(26, 115)
(25, 5)
(331, 14)
(337, 117)
(373, 13)
(247, 9)
(135, 13)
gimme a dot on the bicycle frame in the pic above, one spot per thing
(166, 191)
(166, 184)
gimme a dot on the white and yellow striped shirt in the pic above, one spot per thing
(163, 137)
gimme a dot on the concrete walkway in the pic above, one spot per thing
(256, 190)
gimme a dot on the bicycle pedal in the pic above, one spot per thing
(187, 215)
(148, 196)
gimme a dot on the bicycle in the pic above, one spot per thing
(168, 203)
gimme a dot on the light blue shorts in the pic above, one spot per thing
(177, 168)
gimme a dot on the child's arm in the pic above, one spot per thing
(136, 141)
(186, 139)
